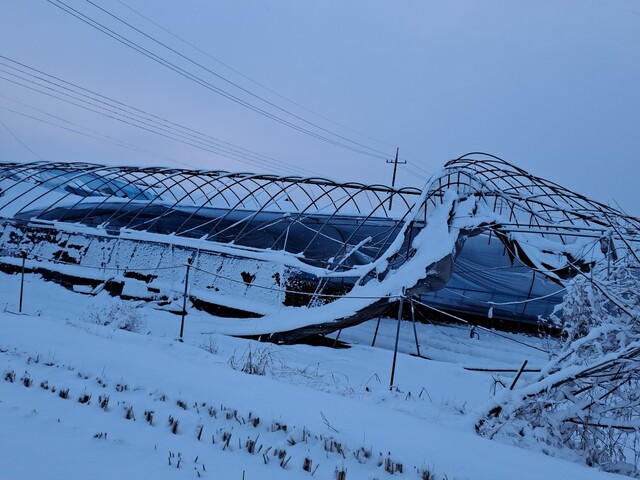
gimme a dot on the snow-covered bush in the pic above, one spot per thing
(119, 314)
(586, 402)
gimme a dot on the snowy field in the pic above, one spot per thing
(80, 399)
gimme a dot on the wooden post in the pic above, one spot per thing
(24, 257)
(415, 331)
(335, 342)
(375, 334)
(515, 380)
(395, 349)
(184, 297)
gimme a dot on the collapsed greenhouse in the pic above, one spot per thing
(289, 257)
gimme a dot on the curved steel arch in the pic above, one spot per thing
(489, 195)
(149, 187)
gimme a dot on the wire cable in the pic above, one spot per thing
(131, 110)
(283, 97)
(93, 134)
(252, 80)
(217, 275)
(181, 71)
(221, 77)
(145, 123)
(20, 141)
(518, 302)
(114, 115)
(442, 312)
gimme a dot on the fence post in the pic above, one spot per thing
(335, 342)
(395, 349)
(415, 330)
(515, 380)
(184, 297)
(375, 334)
(24, 257)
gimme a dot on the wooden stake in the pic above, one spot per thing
(515, 380)
(375, 334)
(335, 342)
(184, 297)
(395, 349)
(24, 257)
(415, 331)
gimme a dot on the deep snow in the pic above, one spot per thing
(336, 404)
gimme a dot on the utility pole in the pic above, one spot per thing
(395, 170)
(395, 349)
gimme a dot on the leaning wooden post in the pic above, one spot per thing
(335, 342)
(24, 257)
(515, 380)
(184, 297)
(375, 334)
(395, 349)
(415, 330)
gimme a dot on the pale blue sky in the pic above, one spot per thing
(550, 85)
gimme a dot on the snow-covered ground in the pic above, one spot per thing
(83, 400)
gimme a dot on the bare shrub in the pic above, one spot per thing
(257, 361)
(119, 314)
(210, 345)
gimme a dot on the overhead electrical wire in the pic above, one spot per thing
(417, 166)
(123, 120)
(413, 172)
(352, 145)
(141, 116)
(248, 78)
(230, 82)
(77, 129)
(69, 86)
(106, 106)
(410, 159)
(373, 152)
(21, 142)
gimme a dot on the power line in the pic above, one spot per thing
(230, 82)
(20, 141)
(252, 80)
(95, 96)
(181, 71)
(140, 114)
(410, 169)
(417, 166)
(123, 120)
(119, 111)
(93, 134)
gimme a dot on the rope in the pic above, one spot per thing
(311, 294)
(127, 269)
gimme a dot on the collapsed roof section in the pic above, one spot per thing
(548, 227)
(291, 256)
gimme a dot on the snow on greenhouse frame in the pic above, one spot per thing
(289, 257)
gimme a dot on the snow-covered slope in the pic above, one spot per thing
(329, 408)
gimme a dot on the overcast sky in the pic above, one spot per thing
(550, 85)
